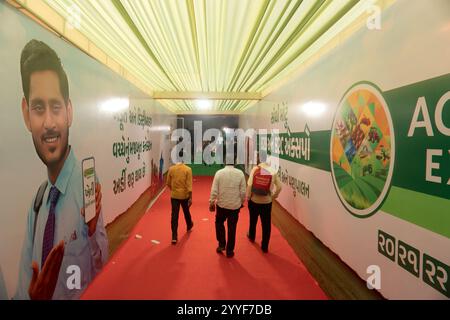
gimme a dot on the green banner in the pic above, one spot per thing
(308, 148)
(411, 152)
(420, 185)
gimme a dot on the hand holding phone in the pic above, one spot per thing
(89, 183)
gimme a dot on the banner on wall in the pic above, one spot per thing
(387, 153)
(59, 244)
(80, 142)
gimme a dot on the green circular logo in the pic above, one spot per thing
(362, 151)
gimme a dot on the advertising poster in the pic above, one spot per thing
(60, 107)
(364, 150)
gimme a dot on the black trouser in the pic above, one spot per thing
(263, 211)
(231, 216)
(175, 212)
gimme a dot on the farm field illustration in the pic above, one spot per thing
(361, 149)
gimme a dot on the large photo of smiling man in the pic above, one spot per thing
(58, 242)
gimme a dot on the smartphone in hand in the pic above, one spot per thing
(88, 171)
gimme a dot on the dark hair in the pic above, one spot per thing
(37, 56)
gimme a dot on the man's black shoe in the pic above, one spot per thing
(190, 227)
(220, 249)
(174, 241)
(250, 239)
(230, 254)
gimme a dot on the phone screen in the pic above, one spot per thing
(88, 169)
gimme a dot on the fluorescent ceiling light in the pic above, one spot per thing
(115, 105)
(314, 109)
(160, 128)
(204, 104)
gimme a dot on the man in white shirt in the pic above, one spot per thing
(227, 195)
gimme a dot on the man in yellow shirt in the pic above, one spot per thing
(179, 181)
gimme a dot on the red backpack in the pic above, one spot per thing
(262, 180)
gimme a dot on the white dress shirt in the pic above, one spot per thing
(228, 188)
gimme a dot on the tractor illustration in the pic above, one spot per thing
(367, 169)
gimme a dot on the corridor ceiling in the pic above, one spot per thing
(231, 51)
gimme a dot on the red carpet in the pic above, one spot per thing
(192, 269)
